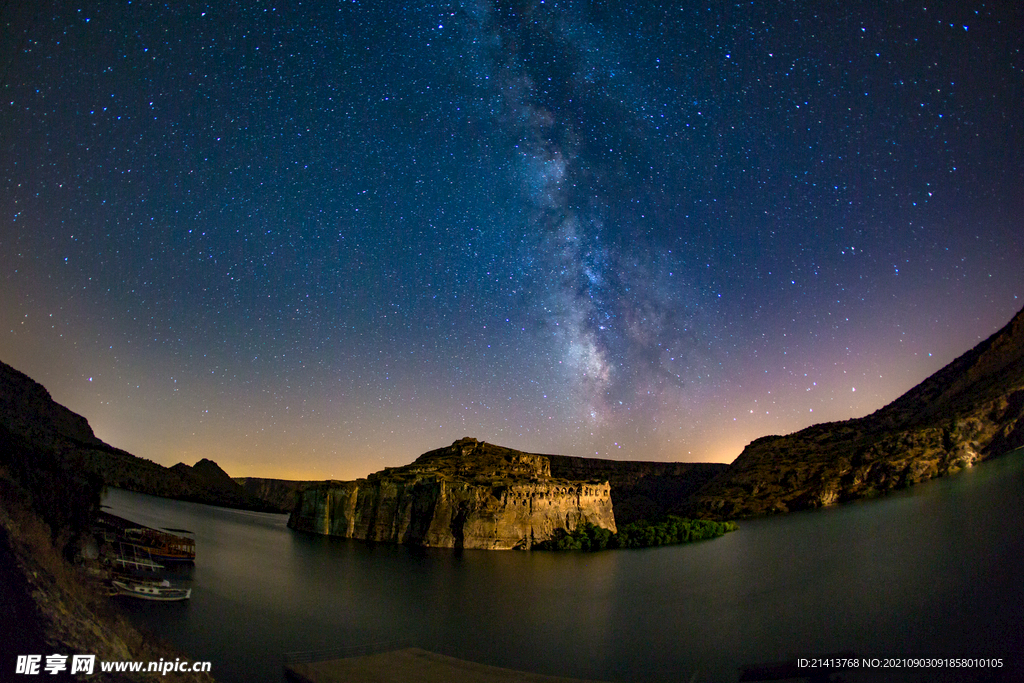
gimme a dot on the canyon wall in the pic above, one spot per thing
(28, 412)
(970, 410)
(468, 495)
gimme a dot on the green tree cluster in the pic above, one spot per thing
(586, 537)
(670, 531)
(640, 534)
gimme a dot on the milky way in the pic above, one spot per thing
(313, 241)
(608, 300)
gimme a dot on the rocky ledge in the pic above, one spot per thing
(471, 494)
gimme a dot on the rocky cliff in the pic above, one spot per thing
(48, 503)
(970, 410)
(469, 495)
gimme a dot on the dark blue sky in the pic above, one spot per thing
(313, 239)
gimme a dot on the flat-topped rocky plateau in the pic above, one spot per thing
(471, 494)
(474, 494)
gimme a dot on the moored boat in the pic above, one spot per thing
(160, 544)
(148, 590)
(163, 546)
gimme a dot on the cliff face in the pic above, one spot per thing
(48, 503)
(970, 410)
(469, 495)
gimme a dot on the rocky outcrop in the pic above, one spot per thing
(971, 410)
(469, 495)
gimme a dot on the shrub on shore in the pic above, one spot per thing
(670, 531)
(640, 534)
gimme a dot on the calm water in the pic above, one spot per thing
(933, 571)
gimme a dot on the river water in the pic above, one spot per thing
(934, 571)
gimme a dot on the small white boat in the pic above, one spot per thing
(148, 590)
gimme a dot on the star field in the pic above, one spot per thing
(310, 240)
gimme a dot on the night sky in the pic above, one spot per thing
(310, 240)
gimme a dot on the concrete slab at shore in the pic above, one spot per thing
(412, 665)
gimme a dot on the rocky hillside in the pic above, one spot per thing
(29, 412)
(469, 495)
(208, 482)
(970, 410)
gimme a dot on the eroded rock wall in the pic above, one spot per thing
(456, 500)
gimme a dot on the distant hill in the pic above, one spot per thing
(968, 411)
(280, 493)
(28, 413)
